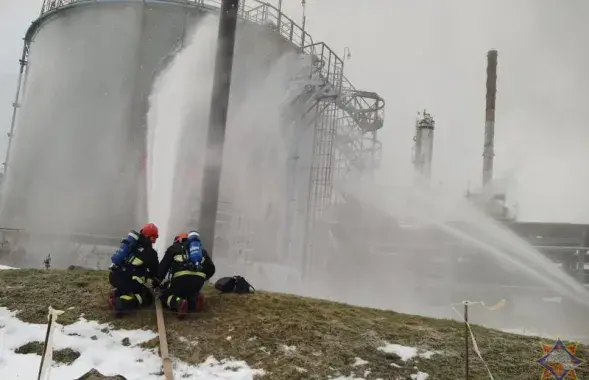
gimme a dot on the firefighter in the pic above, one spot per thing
(132, 265)
(188, 266)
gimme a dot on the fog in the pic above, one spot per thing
(432, 54)
(416, 54)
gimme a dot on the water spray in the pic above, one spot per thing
(218, 121)
(175, 146)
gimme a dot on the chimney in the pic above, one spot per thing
(489, 145)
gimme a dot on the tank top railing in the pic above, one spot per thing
(266, 15)
(327, 64)
(254, 11)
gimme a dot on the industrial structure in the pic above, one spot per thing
(491, 198)
(424, 145)
(218, 113)
(454, 259)
(489, 146)
(79, 130)
(565, 244)
(87, 70)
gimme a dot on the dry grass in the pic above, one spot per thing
(64, 356)
(284, 334)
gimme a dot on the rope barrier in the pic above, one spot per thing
(464, 318)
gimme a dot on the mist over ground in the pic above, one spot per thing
(432, 54)
(415, 54)
(429, 54)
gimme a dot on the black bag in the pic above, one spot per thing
(235, 284)
(242, 286)
(225, 284)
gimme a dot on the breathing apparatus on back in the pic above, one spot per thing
(194, 248)
(127, 247)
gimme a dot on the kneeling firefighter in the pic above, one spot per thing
(188, 266)
(132, 265)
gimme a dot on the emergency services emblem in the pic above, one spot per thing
(559, 361)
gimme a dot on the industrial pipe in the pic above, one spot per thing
(218, 121)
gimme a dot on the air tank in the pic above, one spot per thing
(78, 159)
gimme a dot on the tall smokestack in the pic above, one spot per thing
(489, 145)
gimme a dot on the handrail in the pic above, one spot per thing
(265, 14)
(261, 13)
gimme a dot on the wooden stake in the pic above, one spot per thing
(161, 329)
(45, 346)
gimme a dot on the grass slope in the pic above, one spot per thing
(284, 334)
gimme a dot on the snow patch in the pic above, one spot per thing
(429, 354)
(405, 352)
(288, 349)
(4, 267)
(102, 348)
(420, 376)
(188, 342)
(359, 362)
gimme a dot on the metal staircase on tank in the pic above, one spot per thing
(345, 144)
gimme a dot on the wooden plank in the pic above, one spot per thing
(161, 329)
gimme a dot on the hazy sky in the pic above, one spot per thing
(432, 54)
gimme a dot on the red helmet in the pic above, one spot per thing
(150, 230)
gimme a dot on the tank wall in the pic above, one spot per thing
(72, 128)
(80, 138)
(164, 27)
(255, 151)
